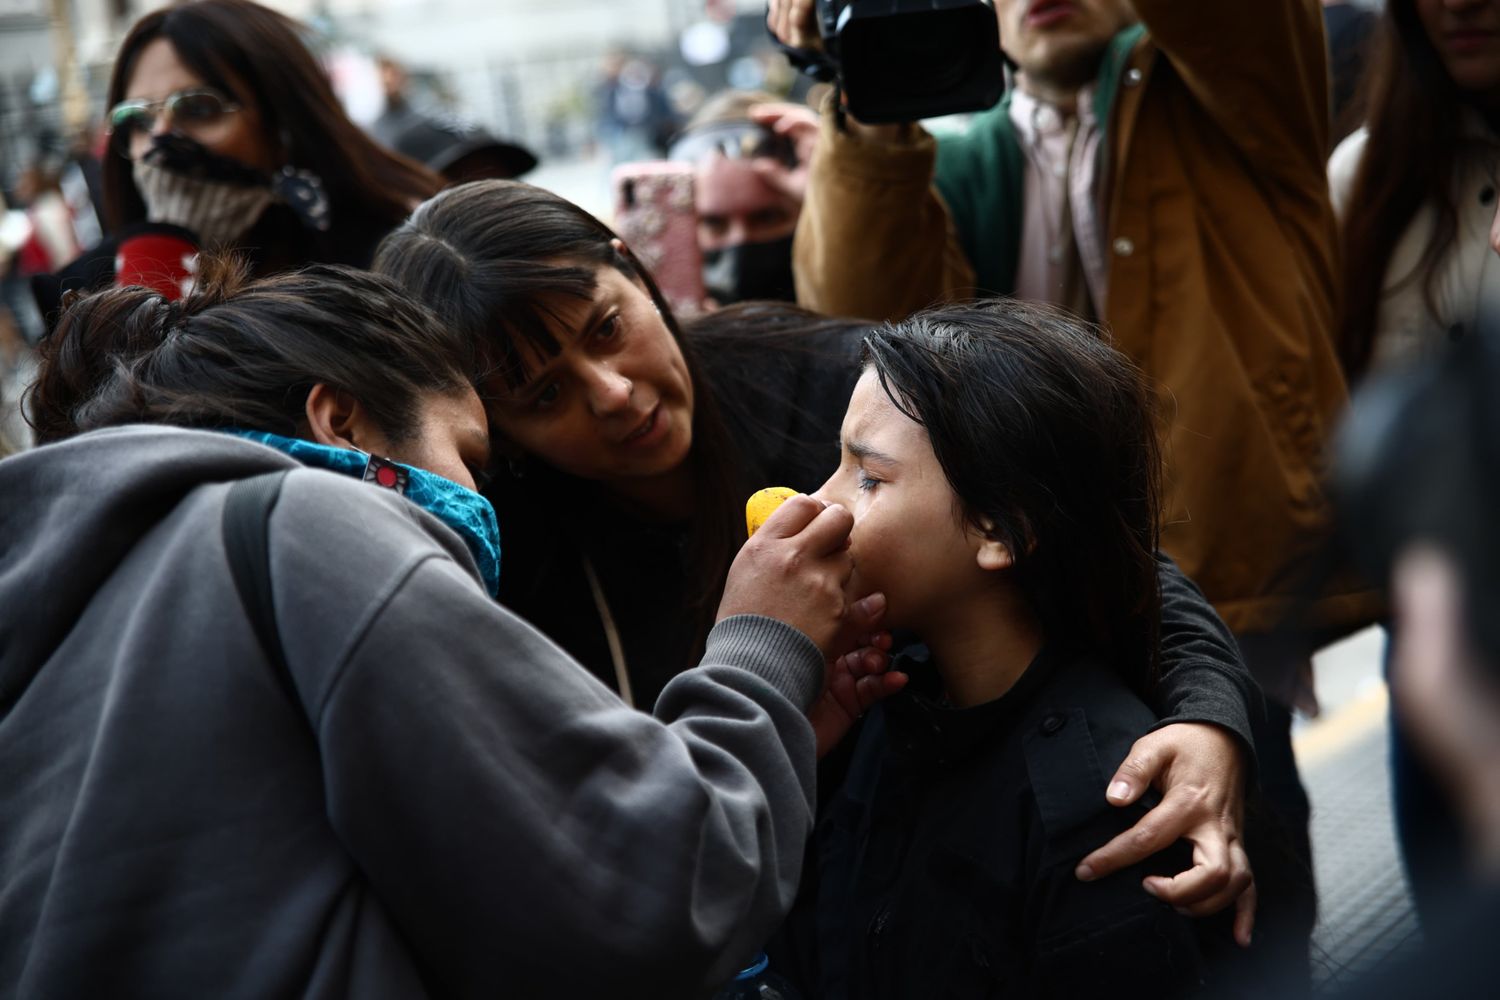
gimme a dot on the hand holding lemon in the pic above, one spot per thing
(762, 504)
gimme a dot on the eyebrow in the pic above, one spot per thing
(590, 321)
(863, 451)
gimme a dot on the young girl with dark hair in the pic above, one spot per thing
(630, 445)
(225, 133)
(1001, 465)
(266, 732)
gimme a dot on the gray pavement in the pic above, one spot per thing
(1364, 907)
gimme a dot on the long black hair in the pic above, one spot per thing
(1409, 158)
(1046, 433)
(238, 354)
(491, 258)
(254, 54)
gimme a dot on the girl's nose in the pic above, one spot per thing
(826, 492)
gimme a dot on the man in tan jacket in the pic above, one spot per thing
(1159, 167)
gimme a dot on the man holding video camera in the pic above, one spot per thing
(1158, 167)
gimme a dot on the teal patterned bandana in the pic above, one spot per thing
(463, 510)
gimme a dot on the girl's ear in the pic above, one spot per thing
(992, 554)
(334, 417)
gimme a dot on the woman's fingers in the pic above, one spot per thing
(1244, 915)
(1158, 829)
(1216, 879)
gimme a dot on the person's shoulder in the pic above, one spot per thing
(1090, 685)
(362, 531)
(342, 554)
(1078, 729)
(90, 271)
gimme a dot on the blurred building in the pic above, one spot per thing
(524, 69)
(54, 68)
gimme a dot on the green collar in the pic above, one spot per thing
(980, 174)
(1107, 85)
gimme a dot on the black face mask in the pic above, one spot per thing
(177, 154)
(300, 190)
(750, 271)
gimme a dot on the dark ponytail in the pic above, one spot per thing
(233, 353)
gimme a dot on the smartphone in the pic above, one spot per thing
(655, 216)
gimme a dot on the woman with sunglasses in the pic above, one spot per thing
(225, 133)
(750, 155)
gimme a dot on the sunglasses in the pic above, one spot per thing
(191, 112)
(735, 140)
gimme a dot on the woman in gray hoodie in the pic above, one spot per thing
(400, 789)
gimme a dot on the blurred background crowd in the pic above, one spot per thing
(556, 91)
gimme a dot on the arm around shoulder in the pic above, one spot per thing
(1105, 936)
(1203, 677)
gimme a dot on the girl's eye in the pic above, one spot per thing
(609, 329)
(547, 396)
(867, 482)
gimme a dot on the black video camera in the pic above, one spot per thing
(903, 60)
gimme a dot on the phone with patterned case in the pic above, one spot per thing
(655, 216)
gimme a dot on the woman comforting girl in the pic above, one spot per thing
(628, 445)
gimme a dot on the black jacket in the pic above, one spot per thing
(783, 407)
(276, 243)
(943, 865)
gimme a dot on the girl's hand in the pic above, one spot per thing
(854, 683)
(1197, 768)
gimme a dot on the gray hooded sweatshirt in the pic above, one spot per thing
(447, 806)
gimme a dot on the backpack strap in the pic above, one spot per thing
(247, 515)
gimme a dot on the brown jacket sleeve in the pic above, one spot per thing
(1259, 68)
(874, 239)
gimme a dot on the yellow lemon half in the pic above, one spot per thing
(762, 504)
